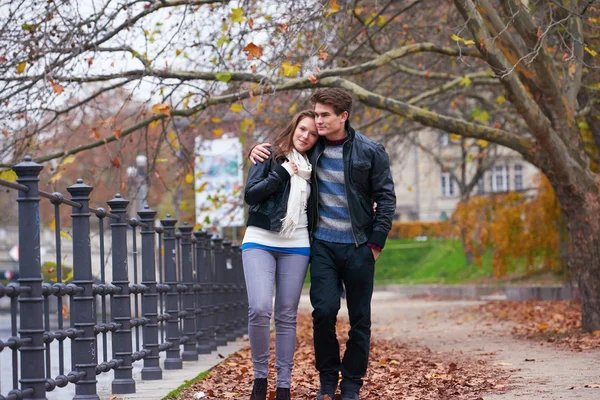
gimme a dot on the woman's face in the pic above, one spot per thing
(305, 135)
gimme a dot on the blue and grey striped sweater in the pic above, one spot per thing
(334, 219)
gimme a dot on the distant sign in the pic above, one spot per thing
(14, 253)
(219, 182)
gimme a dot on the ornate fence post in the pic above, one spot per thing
(230, 292)
(84, 347)
(121, 303)
(238, 276)
(173, 360)
(203, 275)
(151, 369)
(212, 292)
(221, 300)
(188, 303)
(30, 276)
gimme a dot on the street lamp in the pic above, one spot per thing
(137, 179)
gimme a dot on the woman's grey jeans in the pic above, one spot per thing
(263, 269)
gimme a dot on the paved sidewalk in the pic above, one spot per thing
(553, 374)
(172, 379)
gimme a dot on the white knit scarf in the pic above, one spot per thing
(298, 193)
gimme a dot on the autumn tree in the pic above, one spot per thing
(530, 65)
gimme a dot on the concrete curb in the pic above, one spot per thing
(491, 292)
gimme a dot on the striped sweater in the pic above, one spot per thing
(334, 218)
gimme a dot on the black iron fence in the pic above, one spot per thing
(196, 303)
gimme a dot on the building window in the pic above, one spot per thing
(480, 186)
(518, 177)
(500, 179)
(447, 185)
(444, 139)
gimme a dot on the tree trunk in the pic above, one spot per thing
(583, 225)
(466, 249)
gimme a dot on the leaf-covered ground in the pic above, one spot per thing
(557, 322)
(396, 371)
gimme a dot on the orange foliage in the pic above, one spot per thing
(514, 227)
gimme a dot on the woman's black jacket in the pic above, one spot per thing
(267, 191)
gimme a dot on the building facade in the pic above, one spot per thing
(425, 171)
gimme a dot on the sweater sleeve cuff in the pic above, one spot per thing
(378, 238)
(282, 172)
(375, 247)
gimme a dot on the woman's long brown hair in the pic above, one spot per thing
(284, 142)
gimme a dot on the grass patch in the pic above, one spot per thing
(438, 261)
(431, 261)
(176, 393)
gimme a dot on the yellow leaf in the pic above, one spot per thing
(466, 81)
(21, 67)
(218, 132)
(292, 108)
(457, 38)
(237, 107)
(333, 8)
(454, 137)
(67, 160)
(246, 124)
(482, 143)
(202, 187)
(592, 52)
(237, 15)
(189, 178)
(52, 225)
(177, 52)
(215, 120)
(500, 100)
(289, 70)
(9, 175)
(57, 176)
(184, 205)
(154, 123)
(65, 235)
(161, 108)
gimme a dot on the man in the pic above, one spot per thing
(350, 173)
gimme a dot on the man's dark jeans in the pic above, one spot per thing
(332, 264)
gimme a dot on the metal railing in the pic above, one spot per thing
(197, 303)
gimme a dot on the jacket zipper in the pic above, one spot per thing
(346, 180)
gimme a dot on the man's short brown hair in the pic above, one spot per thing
(337, 98)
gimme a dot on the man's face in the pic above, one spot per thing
(327, 121)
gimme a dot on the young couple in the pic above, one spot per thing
(311, 197)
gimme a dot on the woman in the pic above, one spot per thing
(276, 248)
